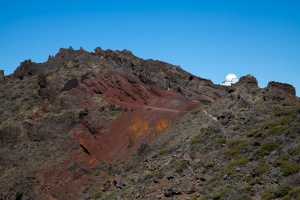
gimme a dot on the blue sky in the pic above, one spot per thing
(205, 37)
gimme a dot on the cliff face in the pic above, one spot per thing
(108, 124)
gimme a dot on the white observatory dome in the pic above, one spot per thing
(230, 77)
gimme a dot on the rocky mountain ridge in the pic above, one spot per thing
(109, 125)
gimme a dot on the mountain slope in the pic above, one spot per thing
(109, 125)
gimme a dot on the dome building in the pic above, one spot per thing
(230, 79)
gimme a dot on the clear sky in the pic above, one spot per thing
(209, 38)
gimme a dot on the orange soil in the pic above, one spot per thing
(124, 136)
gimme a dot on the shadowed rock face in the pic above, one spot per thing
(283, 87)
(107, 124)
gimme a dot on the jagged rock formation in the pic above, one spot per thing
(2, 78)
(109, 125)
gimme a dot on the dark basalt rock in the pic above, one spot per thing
(42, 80)
(248, 80)
(73, 83)
(282, 87)
(2, 77)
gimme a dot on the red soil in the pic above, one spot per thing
(150, 110)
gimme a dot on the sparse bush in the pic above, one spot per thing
(45, 154)
(181, 165)
(250, 180)
(235, 146)
(293, 193)
(277, 130)
(238, 161)
(287, 167)
(219, 141)
(57, 111)
(267, 147)
(226, 171)
(124, 192)
(280, 125)
(268, 194)
(221, 193)
(256, 133)
(259, 170)
(34, 96)
(163, 151)
(96, 195)
(283, 120)
(291, 110)
(243, 197)
(196, 142)
(295, 151)
(19, 195)
(235, 127)
(16, 108)
(150, 174)
(282, 190)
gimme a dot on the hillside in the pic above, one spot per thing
(109, 125)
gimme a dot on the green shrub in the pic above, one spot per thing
(287, 167)
(250, 180)
(124, 192)
(268, 194)
(220, 193)
(235, 127)
(235, 146)
(205, 197)
(238, 161)
(277, 130)
(163, 151)
(256, 133)
(150, 174)
(196, 142)
(295, 151)
(291, 110)
(226, 171)
(284, 117)
(57, 111)
(219, 141)
(34, 96)
(243, 197)
(283, 120)
(267, 147)
(16, 108)
(293, 193)
(19, 195)
(196, 139)
(282, 190)
(181, 165)
(96, 195)
(259, 170)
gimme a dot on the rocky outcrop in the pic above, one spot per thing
(281, 87)
(27, 68)
(2, 77)
(248, 81)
